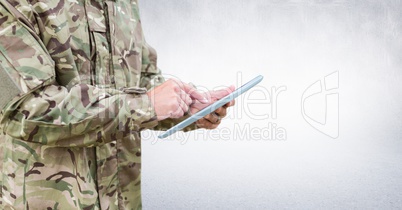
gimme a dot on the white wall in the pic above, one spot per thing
(293, 44)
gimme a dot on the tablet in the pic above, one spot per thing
(209, 109)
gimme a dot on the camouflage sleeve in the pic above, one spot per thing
(47, 113)
(151, 75)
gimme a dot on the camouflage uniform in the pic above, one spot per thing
(74, 75)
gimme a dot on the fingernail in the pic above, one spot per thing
(204, 100)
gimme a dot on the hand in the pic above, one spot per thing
(173, 98)
(212, 121)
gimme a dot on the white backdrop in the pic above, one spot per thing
(301, 140)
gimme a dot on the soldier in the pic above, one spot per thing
(79, 83)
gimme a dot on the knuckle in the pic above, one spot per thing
(180, 113)
(177, 98)
(176, 88)
(188, 101)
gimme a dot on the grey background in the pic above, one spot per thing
(293, 44)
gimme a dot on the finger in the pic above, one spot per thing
(194, 93)
(229, 104)
(232, 88)
(191, 90)
(221, 112)
(193, 110)
(186, 98)
(218, 94)
(177, 113)
(183, 105)
(214, 126)
(213, 118)
(179, 109)
(203, 123)
(232, 103)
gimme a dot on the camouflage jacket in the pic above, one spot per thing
(74, 74)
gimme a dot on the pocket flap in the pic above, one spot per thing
(135, 90)
(8, 88)
(96, 19)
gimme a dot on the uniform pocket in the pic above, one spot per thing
(24, 62)
(100, 51)
(126, 42)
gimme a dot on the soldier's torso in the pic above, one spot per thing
(92, 42)
(102, 39)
